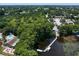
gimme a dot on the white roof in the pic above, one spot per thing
(68, 21)
(57, 21)
(55, 28)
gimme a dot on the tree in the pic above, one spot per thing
(32, 31)
(68, 29)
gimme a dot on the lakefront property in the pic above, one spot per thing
(39, 30)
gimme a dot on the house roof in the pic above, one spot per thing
(57, 21)
(55, 28)
(13, 41)
(68, 21)
(10, 37)
(9, 50)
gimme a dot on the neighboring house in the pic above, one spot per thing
(68, 21)
(23, 12)
(10, 37)
(8, 51)
(11, 40)
(57, 21)
(46, 8)
(6, 13)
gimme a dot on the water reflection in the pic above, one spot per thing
(56, 50)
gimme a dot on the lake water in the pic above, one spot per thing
(56, 50)
(63, 49)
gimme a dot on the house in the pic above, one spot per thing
(8, 51)
(46, 8)
(10, 37)
(23, 12)
(6, 13)
(57, 21)
(68, 21)
(10, 43)
(11, 40)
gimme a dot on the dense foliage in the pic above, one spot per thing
(31, 32)
(69, 29)
(31, 27)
